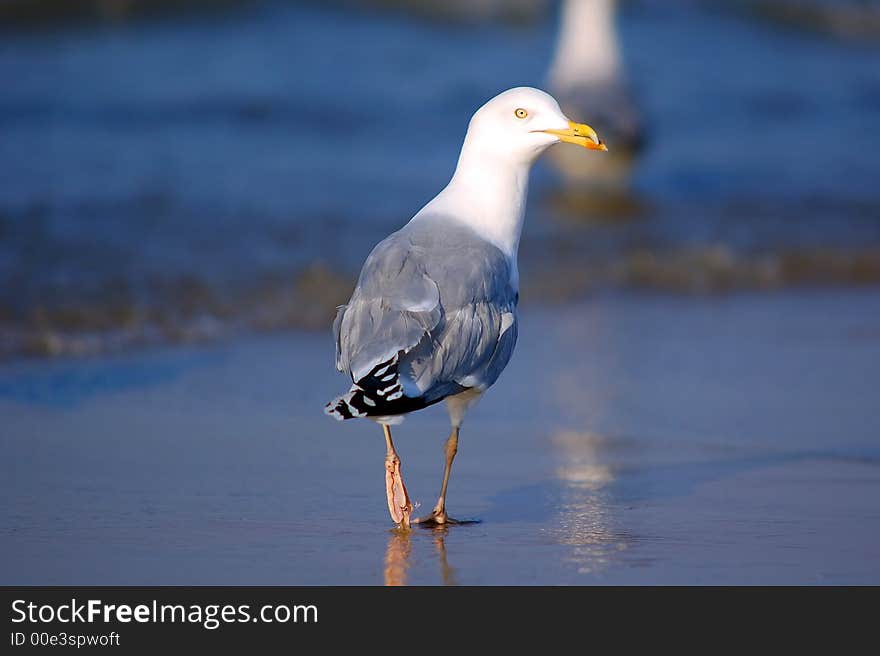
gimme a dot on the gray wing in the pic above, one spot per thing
(433, 313)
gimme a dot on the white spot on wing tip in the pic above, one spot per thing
(506, 322)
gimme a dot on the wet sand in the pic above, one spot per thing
(633, 439)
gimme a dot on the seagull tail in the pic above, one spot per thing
(348, 406)
(378, 394)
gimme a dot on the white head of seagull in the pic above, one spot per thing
(504, 138)
(516, 126)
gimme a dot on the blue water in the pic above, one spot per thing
(149, 165)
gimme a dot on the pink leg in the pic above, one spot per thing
(439, 517)
(399, 504)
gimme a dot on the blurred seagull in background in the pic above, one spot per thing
(587, 78)
(433, 314)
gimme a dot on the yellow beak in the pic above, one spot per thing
(580, 135)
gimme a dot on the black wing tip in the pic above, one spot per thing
(378, 394)
(341, 408)
(338, 410)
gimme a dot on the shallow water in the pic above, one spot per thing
(631, 440)
(182, 178)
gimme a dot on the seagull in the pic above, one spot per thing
(433, 314)
(587, 77)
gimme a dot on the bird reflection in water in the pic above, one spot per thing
(399, 551)
(447, 572)
(586, 522)
(397, 556)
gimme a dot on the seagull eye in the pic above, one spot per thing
(521, 113)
